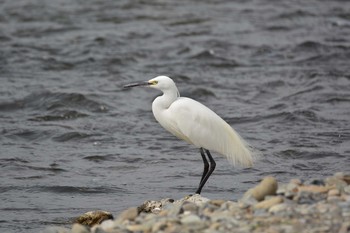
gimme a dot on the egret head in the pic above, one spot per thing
(162, 83)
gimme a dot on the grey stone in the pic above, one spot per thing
(190, 219)
(129, 214)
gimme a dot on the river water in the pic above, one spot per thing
(72, 140)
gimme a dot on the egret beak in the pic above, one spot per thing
(137, 84)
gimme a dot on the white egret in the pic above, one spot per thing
(196, 124)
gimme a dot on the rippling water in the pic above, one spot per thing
(72, 140)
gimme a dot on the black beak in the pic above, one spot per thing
(136, 84)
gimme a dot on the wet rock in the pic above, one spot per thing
(268, 186)
(92, 218)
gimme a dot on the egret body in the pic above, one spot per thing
(196, 124)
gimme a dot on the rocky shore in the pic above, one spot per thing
(313, 206)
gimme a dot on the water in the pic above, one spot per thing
(72, 140)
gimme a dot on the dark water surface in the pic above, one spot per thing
(72, 140)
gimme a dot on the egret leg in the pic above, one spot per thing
(206, 164)
(212, 166)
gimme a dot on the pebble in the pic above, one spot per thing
(298, 207)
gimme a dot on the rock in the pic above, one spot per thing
(336, 182)
(189, 207)
(269, 203)
(278, 208)
(105, 225)
(247, 201)
(217, 202)
(297, 182)
(333, 192)
(196, 199)
(309, 197)
(316, 182)
(149, 206)
(190, 219)
(56, 230)
(154, 206)
(268, 186)
(97, 229)
(312, 208)
(92, 218)
(345, 228)
(129, 214)
(314, 189)
(78, 228)
(334, 199)
(139, 227)
(346, 178)
(347, 189)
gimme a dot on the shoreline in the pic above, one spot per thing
(313, 206)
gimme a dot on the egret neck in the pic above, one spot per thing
(164, 101)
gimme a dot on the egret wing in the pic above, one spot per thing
(198, 125)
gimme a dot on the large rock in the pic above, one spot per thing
(92, 218)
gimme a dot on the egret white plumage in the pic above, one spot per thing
(196, 124)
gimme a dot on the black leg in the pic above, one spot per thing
(206, 164)
(205, 177)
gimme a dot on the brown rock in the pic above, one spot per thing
(92, 218)
(314, 189)
(333, 192)
(269, 203)
(217, 202)
(268, 186)
(296, 181)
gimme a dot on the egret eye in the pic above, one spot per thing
(154, 82)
